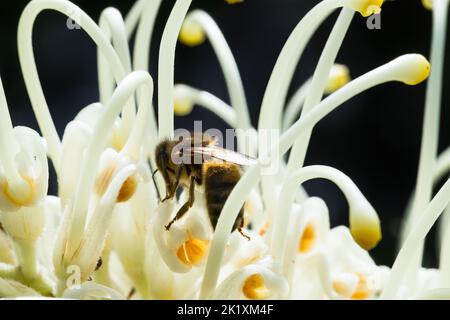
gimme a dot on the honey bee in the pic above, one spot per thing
(197, 160)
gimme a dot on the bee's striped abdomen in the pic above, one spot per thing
(220, 179)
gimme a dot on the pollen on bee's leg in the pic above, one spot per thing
(254, 287)
(192, 251)
(308, 239)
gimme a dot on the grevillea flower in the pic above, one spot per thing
(104, 236)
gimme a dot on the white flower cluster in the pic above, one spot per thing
(104, 237)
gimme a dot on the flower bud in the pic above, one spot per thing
(32, 167)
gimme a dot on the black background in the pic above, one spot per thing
(374, 138)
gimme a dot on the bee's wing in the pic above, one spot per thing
(224, 154)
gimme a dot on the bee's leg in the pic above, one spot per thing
(241, 225)
(173, 189)
(185, 206)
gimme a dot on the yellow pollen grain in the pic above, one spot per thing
(262, 231)
(254, 287)
(128, 189)
(308, 239)
(20, 201)
(339, 287)
(361, 292)
(192, 251)
(367, 236)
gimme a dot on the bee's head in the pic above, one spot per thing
(164, 162)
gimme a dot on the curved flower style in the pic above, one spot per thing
(104, 235)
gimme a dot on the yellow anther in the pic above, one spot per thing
(339, 77)
(366, 235)
(370, 7)
(359, 291)
(254, 287)
(192, 251)
(308, 239)
(117, 140)
(191, 33)
(128, 189)
(428, 4)
(365, 225)
(182, 107)
(234, 1)
(340, 288)
(362, 291)
(21, 200)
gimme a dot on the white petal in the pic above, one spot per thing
(26, 224)
(7, 254)
(31, 161)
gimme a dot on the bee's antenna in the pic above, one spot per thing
(154, 181)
